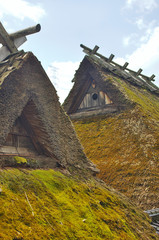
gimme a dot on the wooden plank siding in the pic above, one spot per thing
(18, 141)
(94, 100)
(80, 95)
(28, 136)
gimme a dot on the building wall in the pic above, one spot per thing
(94, 98)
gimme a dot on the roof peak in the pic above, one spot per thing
(110, 61)
(11, 42)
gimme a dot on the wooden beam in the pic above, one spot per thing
(30, 132)
(131, 71)
(111, 58)
(11, 42)
(125, 66)
(80, 96)
(89, 50)
(4, 52)
(152, 78)
(25, 32)
(85, 48)
(95, 49)
(6, 40)
(138, 72)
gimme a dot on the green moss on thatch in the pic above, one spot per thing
(125, 146)
(20, 160)
(44, 204)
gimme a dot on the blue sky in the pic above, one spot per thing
(127, 28)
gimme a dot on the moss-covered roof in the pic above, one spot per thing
(125, 145)
(44, 204)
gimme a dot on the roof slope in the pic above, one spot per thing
(42, 204)
(25, 86)
(125, 144)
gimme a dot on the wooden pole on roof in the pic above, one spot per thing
(6, 41)
(11, 42)
(125, 66)
(152, 78)
(111, 58)
(25, 32)
(138, 72)
(95, 49)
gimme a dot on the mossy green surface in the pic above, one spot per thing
(20, 160)
(44, 204)
(125, 146)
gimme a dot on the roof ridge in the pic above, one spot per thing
(130, 75)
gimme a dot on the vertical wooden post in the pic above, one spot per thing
(125, 65)
(95, 49)
(111, 58)
(138, 72)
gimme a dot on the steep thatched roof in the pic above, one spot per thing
(27, 94)
(102, 72)
(124, 143)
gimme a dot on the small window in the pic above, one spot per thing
(94, 96)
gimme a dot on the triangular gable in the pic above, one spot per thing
(28, 136)
(29, 104)
(94, 98)
(18, 141)
(91, 95)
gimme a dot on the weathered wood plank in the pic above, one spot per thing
(6, 40)
(4, 51)
(10, 150)
(25, 32)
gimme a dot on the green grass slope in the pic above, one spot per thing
(45, 204)
(125, 146)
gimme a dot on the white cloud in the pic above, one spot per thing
(126, 40)
(142, 36)
(148, 52)
(140, 23)
(146, 56)
(21, 9)
(61, 74)
(144, 5)
(130, 40)
(149, 29)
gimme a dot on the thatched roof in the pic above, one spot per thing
(26, 93)
(103, 72)
(123, 144)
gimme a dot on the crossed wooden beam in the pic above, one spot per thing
(11, 42)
